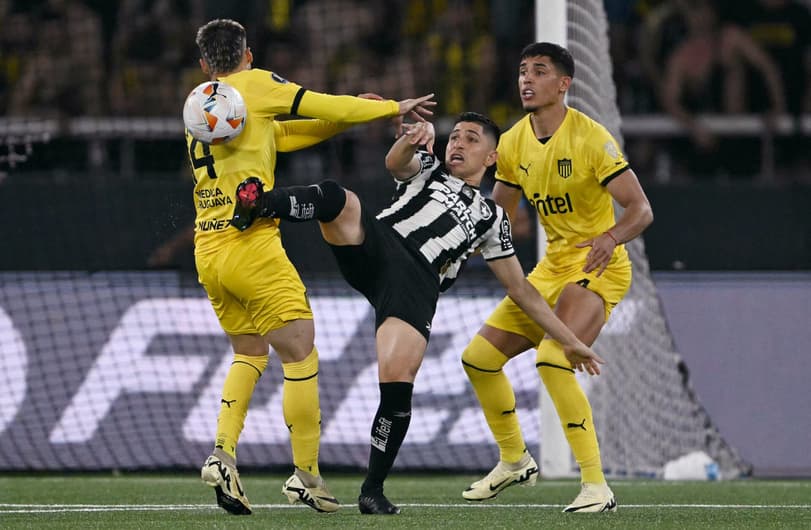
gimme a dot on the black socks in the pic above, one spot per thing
(388, 431)
(323, 201)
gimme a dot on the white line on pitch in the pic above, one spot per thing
(62, 508)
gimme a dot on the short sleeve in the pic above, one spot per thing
(498, 241)
(428, 164)
(605, 156)
(505, 169)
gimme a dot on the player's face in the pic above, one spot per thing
(469, 152)
(540, 84)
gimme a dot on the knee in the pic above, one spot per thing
(333, 200)
(481, 356)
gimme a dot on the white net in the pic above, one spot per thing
(644, 407)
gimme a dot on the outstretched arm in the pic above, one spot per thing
(292, 135)
(510, 274)
(352, 109)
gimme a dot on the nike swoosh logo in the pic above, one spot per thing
(584, 506)
(494, 487)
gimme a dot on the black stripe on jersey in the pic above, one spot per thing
(438, 228)
(455, 253)
(510, 184)
(297, 101)
(614, 175)
(401, 189)
(414, 205)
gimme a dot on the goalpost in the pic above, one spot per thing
(645, 410)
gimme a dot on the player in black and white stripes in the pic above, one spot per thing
(403, 258)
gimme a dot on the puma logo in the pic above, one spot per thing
(525, 169)
(582, 424)
(228, 403)
(506, 412)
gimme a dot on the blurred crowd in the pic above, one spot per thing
(681, 58)
(138, 57)
(686, 58)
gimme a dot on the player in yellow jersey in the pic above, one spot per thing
(256, 293)
(570, 169)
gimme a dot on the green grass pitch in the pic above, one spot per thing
(427, 501)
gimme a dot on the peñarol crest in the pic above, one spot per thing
(565, 167)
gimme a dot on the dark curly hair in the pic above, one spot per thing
(222, 44)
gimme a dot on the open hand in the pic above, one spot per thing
(602, 248)
(421, 133)
(583, 359)
(417, 108)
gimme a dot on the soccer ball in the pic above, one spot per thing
(214, 112)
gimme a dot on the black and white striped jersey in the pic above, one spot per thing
(446, 220)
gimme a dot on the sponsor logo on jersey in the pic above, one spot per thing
(565, 167)
(551, 205)
(211, 198)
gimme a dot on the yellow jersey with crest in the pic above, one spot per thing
(564, 179)
(218, 169)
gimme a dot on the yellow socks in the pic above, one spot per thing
(573, 409)
(302, 413)
(236, 396)
(483, 364)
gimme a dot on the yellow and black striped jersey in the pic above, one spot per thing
(218, 169)
(564, 179)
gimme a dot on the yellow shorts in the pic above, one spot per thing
(611, 286)
(252, 285)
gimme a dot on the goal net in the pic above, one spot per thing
(111, 356)
(645, 410)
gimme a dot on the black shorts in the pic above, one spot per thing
(396, 281)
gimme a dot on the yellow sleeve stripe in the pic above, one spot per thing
(614, 175)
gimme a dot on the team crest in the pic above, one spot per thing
(485, 210)
(565, 167)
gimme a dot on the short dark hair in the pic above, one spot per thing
(560, 56)
(222, 44)
(489, 126)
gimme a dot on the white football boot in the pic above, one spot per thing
(220, 472)
(593, 498)
(504, 475)
(310, 490)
